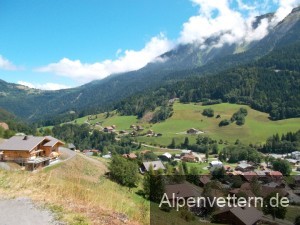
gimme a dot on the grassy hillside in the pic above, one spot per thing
(257, 129)
(78, 193)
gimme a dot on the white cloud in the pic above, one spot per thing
(217, 18)
(285, 7)
(129, 61)
(46, 86)
(6, 64)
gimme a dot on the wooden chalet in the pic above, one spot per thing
(29, 151)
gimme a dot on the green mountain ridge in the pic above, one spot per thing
(182, 63)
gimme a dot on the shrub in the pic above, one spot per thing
(224, 123)
(208, 112)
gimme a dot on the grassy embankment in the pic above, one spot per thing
(77, 192)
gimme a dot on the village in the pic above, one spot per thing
(214, 177)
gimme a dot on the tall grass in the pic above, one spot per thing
(80, 188)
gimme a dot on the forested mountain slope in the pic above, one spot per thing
(178, 66)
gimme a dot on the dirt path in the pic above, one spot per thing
(23, 211)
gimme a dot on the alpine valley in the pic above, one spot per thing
(253, 73)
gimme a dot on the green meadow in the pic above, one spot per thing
(257, 128)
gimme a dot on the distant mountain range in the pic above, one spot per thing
(177, 65)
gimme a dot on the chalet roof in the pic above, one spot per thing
(248, 215)
(53, 141)
(184, 190)
(155, 164)
(131, 156)
(269, 190)
(189, 156)
(275, 173)
(21, 143)
(27, 143)
(249, 175)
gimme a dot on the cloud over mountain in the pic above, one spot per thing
(224, 21)
(128, 61)
(232, 24)
(46, 86)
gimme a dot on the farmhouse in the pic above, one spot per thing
(156, 165)
(215, 164)
(184, 190)
(130, 156)
(243, 166)
(108, 129)
(188, 158)
(30, 151)
(139, 128)
(192, 131)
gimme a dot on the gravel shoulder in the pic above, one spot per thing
(24, 211)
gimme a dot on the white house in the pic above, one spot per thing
(296, 155)
(215, 164)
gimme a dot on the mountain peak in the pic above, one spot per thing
(297, 9)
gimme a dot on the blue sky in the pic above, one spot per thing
(52, 44)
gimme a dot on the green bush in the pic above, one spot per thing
(208, 112)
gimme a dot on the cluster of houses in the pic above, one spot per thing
(269, 182)
(151, 133)
(136, 127)
(293, 158)
(109, 129)
(30, 151)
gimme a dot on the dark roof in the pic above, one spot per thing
(247, 215)
(265, 190)
(184, 190)
(21, 143)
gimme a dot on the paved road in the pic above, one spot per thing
(23, 211)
